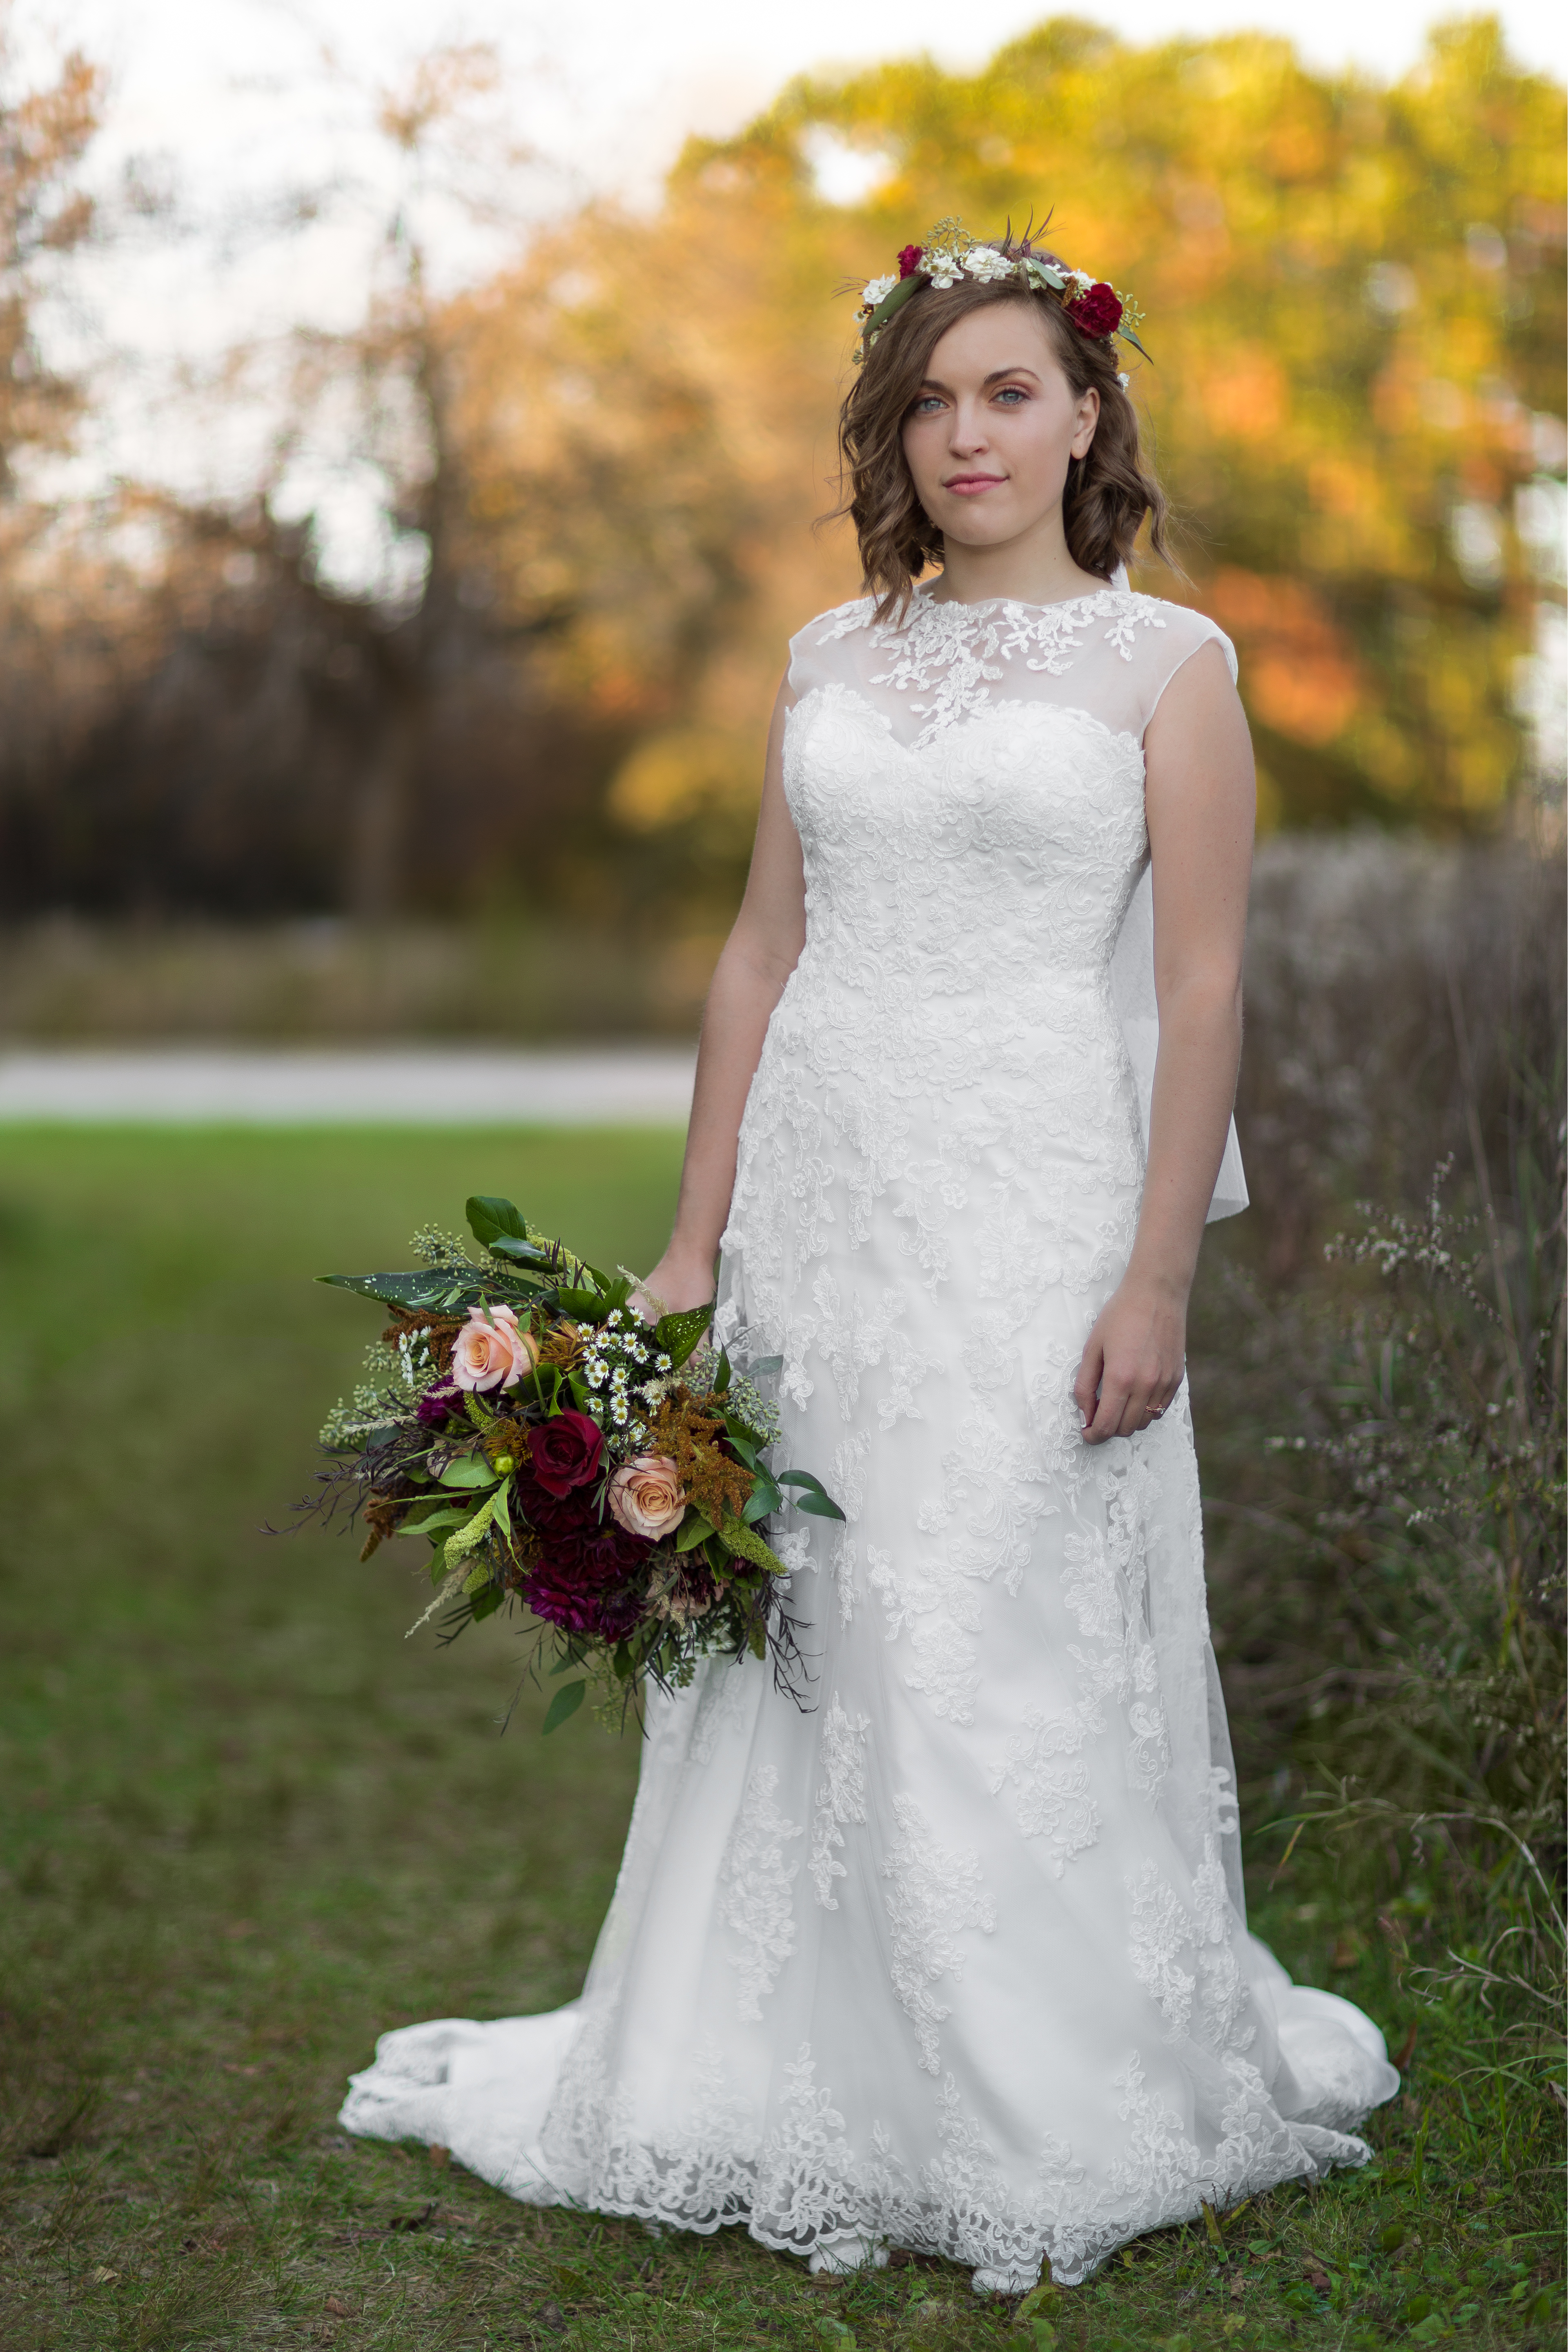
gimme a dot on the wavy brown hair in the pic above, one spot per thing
(1109, 492)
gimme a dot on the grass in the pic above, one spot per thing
(250, 1827)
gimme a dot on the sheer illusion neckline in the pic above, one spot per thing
(930, 602)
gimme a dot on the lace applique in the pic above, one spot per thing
(932, 1899)
(1054, 1795)
(756, 1902)
(850, 1339)
(1162, 1929)
(723, 1703)
(840, 1796)
(988, 1492)
(953, 653)
(848, 1486)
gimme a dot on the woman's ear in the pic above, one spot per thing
(1086, 418)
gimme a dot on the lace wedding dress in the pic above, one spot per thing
(956, 1960)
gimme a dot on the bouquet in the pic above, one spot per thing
(557, 1450)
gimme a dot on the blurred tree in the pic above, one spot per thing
(45, 214)
(599, 471)
(1355, 303)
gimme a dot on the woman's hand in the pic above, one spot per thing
(675, 1284)
(1133, 1360)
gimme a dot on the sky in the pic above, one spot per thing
(224, 103)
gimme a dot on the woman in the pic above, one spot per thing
(954, 1959)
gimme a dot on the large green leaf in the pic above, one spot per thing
(678, 1335)
(450, 1515)
(435, 1288)
(469, 1470)
(816, 1500)
(763, 1499)
(565, 1702)
(694, 1529)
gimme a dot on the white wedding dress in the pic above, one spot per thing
(956, 1960)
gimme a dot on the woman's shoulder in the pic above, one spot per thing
(1174, 632)
(838, 621)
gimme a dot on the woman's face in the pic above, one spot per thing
(989, 434)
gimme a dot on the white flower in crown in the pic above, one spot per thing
(984, 261)
(1083, 278)
(943, 268)
(878, 289)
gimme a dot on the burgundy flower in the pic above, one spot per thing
(553, 1514)
(567, 1450)
(909, 260)
(1096, 314)
(438, 1402)
(610, 1616)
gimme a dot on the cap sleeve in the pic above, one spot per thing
(817, 654)
(1185, 632)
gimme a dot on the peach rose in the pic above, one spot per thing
(646, 1497)
(492, 1352)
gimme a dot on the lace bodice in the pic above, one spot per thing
(968, 789)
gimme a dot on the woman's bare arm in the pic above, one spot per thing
(1202, 800)
(759, 956)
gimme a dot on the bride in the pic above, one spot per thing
(955, 1958)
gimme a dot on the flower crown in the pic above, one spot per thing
(950, 252)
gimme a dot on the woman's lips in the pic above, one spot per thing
(970, 486)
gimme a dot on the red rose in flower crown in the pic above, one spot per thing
(1097, 312)
(565, 1451)
(909, 260)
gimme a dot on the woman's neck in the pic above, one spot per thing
(1033, 569)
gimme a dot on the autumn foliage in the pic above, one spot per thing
(616, 450)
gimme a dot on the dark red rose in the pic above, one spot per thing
(909, 260)
(567, 1450)
(1096, 314)
(438, 1404)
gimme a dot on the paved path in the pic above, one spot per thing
(468, 1086)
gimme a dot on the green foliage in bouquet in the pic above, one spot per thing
(558, 1452)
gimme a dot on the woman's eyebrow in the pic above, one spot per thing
(997, 375)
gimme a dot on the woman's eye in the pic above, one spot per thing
(927, 404)
(1013, 393)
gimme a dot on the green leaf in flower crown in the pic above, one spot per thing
(893, 302)
(678, 1335)
(1127, 336)
(565, 1702)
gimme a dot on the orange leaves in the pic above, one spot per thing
(1299, 674)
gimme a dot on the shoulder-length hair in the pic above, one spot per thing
(1109, 492)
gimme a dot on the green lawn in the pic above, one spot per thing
(249, 1826)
